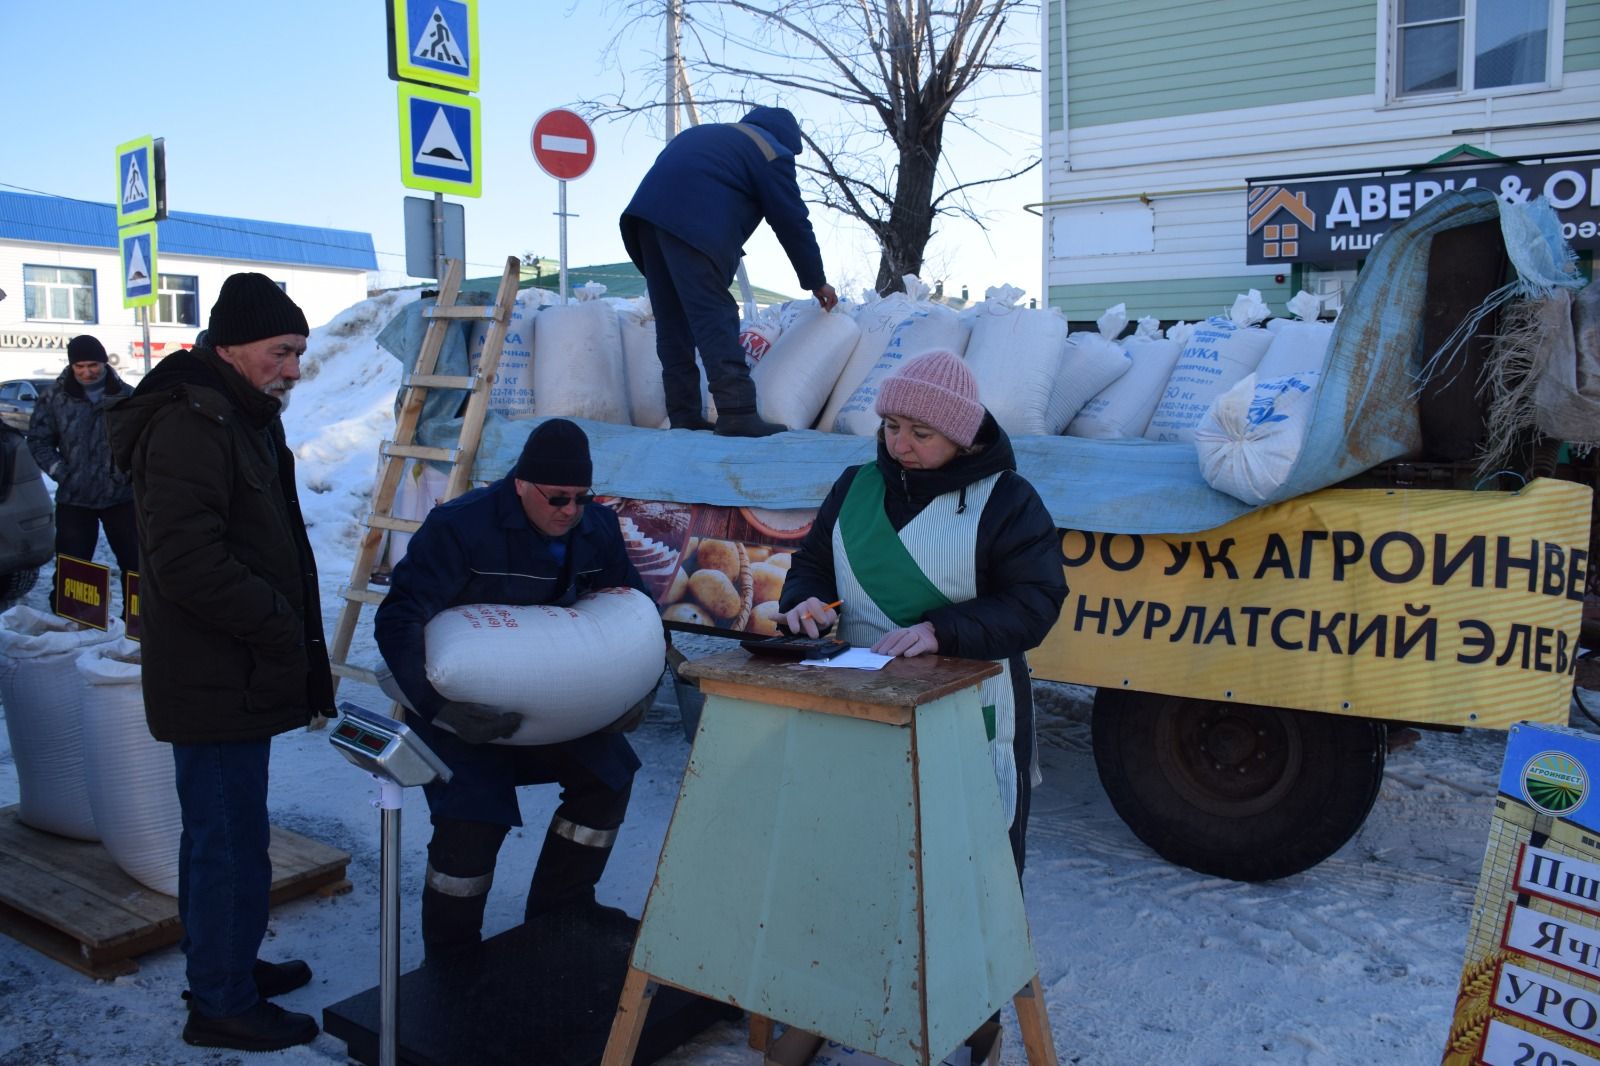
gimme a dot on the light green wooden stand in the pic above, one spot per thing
(838, 861)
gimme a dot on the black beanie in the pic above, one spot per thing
(251, 307)
(557, 453)
(86, 349)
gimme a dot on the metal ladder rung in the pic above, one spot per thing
(419, 451)
(441, 381)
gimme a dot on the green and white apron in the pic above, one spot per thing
(889, 581)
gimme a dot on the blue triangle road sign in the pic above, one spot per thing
(440, 141)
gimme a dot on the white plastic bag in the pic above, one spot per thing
(877, 319)
(1218, 354)
(43, 696)
(1016, 354)
(578, 366)
(794, 379)
(568, 670)
(1123, 408)
(1296, 348)
(1090, 364)
(511, 392)
(1250, 440)
(933, 328)
(133, 787)
(647, 398)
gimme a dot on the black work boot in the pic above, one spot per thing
(452, 926)
(746, 424)
(565, 876)
(687, 419)
(264, 1027)
(272, 978)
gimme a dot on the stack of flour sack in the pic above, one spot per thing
(1240, 392)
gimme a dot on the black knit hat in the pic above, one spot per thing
(557, 453)
(251, 307)
(86, 349)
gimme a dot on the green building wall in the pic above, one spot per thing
(1176, 298)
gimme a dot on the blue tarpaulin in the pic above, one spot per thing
(1365, 414)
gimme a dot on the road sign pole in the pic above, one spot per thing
(562, 211)
(438, 237)
(144, 323)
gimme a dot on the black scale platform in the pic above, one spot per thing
(544, 992)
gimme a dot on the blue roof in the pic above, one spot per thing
(57, 220)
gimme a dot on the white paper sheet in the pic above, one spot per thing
(854, 659)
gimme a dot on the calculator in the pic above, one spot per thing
(786, 647)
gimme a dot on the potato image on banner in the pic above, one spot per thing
(715, 590)
(780, 559)
(768, 581)
(721, 555)
(764, 619)
(757, 553)
(686, 613)
(678, 589)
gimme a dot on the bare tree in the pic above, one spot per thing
(881, 78)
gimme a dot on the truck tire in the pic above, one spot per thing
(17, 584)
(1238, 791)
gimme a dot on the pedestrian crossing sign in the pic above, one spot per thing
(440, 144)
(138, 245)
(136, 182)
(434, 42)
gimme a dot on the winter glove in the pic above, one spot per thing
(476, 723)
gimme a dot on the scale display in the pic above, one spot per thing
(385, 746)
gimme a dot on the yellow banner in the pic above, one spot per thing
(1459, 608)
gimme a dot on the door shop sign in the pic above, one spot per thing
(1530, 983)
(1344, 218)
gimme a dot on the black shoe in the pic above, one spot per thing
(272, 979)
(264, 1027)
(747, 426)
(275, 979)
(689, 422)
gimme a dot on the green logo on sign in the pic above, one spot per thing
(1554, 783)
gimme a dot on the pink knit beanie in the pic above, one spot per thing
(938, 390)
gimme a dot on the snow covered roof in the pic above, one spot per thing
(60, 220)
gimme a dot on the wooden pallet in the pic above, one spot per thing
(69, 900)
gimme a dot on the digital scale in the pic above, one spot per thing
(385, 747)
(388, 750)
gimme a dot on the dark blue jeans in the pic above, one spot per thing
(224, 874)
(693, 308)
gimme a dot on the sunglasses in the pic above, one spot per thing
(581, 499)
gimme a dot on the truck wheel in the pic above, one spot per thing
(17, 584)
(1243, 792)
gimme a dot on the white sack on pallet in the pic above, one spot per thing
(132, 783)
(877, 318)
(511, 392)
(421, 488)
(1250, 440)
(794, 379)
(1218, 354)
(1016, 354)
(934, 328)
(1123, 408)
(567, 670)
(578, 367)
(43, 696)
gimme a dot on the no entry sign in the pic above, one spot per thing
(563, 144)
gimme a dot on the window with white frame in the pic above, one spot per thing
(178, 300)
(58, 294)
(1462, 46)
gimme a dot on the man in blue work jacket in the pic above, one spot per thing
(529, 538)
(685, 230)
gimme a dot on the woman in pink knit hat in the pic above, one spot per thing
(940, 547)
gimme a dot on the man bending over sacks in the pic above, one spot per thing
(527, 539)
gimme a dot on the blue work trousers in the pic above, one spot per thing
(693, 309)
(224, 874)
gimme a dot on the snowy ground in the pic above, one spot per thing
(1143, 963)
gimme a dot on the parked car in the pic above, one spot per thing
(27, 518)
(18, 397)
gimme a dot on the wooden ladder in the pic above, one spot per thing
(441, 315)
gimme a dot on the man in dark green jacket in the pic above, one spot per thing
(233, 649)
